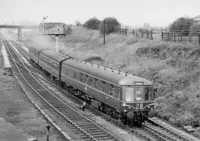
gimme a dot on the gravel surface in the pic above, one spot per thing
(124, 135)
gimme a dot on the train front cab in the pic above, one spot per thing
(138, 102)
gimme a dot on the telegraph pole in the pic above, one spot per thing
(104, 32)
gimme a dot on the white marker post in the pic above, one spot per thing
(57, 44)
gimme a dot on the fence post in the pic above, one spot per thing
(162, 35)
(199, 39)
(190, 39)
(174, 37)
(167, 36)
(181, 38)
(126, 30)
(151, 35)
(142, 34)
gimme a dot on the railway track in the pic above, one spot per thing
(150, 131)
(84, 127)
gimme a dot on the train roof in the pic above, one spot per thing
(106, 74)
(53, 55)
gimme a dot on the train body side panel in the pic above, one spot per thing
(33, 55)
(89, 90)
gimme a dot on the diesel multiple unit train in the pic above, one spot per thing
(121, 95)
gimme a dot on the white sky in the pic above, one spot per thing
(128, 12)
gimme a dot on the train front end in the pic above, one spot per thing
(138, 101)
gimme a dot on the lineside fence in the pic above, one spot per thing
(165, 36)
(148, 34)
(174, 37)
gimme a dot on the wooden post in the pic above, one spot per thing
(147, 34)
(162, 35)
(104, 32)
(174, 36)
(199, 39)
(151, 35)
(181, 38)
(168, 36)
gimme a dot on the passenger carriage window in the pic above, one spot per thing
(81, 77)
(107, 87)
(99, 85)
(85, 78)
(96, 83)
(74, 74)
(89, 80)
(78, 75)
(116, 92)
(111, 89)
(103, 86)
(92, 81)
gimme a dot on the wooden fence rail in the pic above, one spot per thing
(174, 37)
(137, 33)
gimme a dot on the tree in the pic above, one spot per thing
(111, 25)
(78, 23)
(181, 26)
(92, 23)
(195, 29)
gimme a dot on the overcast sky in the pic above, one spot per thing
(128, 12)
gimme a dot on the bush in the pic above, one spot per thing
(111, 25)
(68, 29)
(195, 29)
(181, 26)
(92, 23)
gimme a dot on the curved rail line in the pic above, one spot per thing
(79, 124)
(150, 131)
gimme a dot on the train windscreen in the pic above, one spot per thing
(128, 94)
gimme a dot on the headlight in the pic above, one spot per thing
(124, 104)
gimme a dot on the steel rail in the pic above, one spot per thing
(159, 134)
(79, 127)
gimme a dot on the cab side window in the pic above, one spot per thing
(146, 93)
